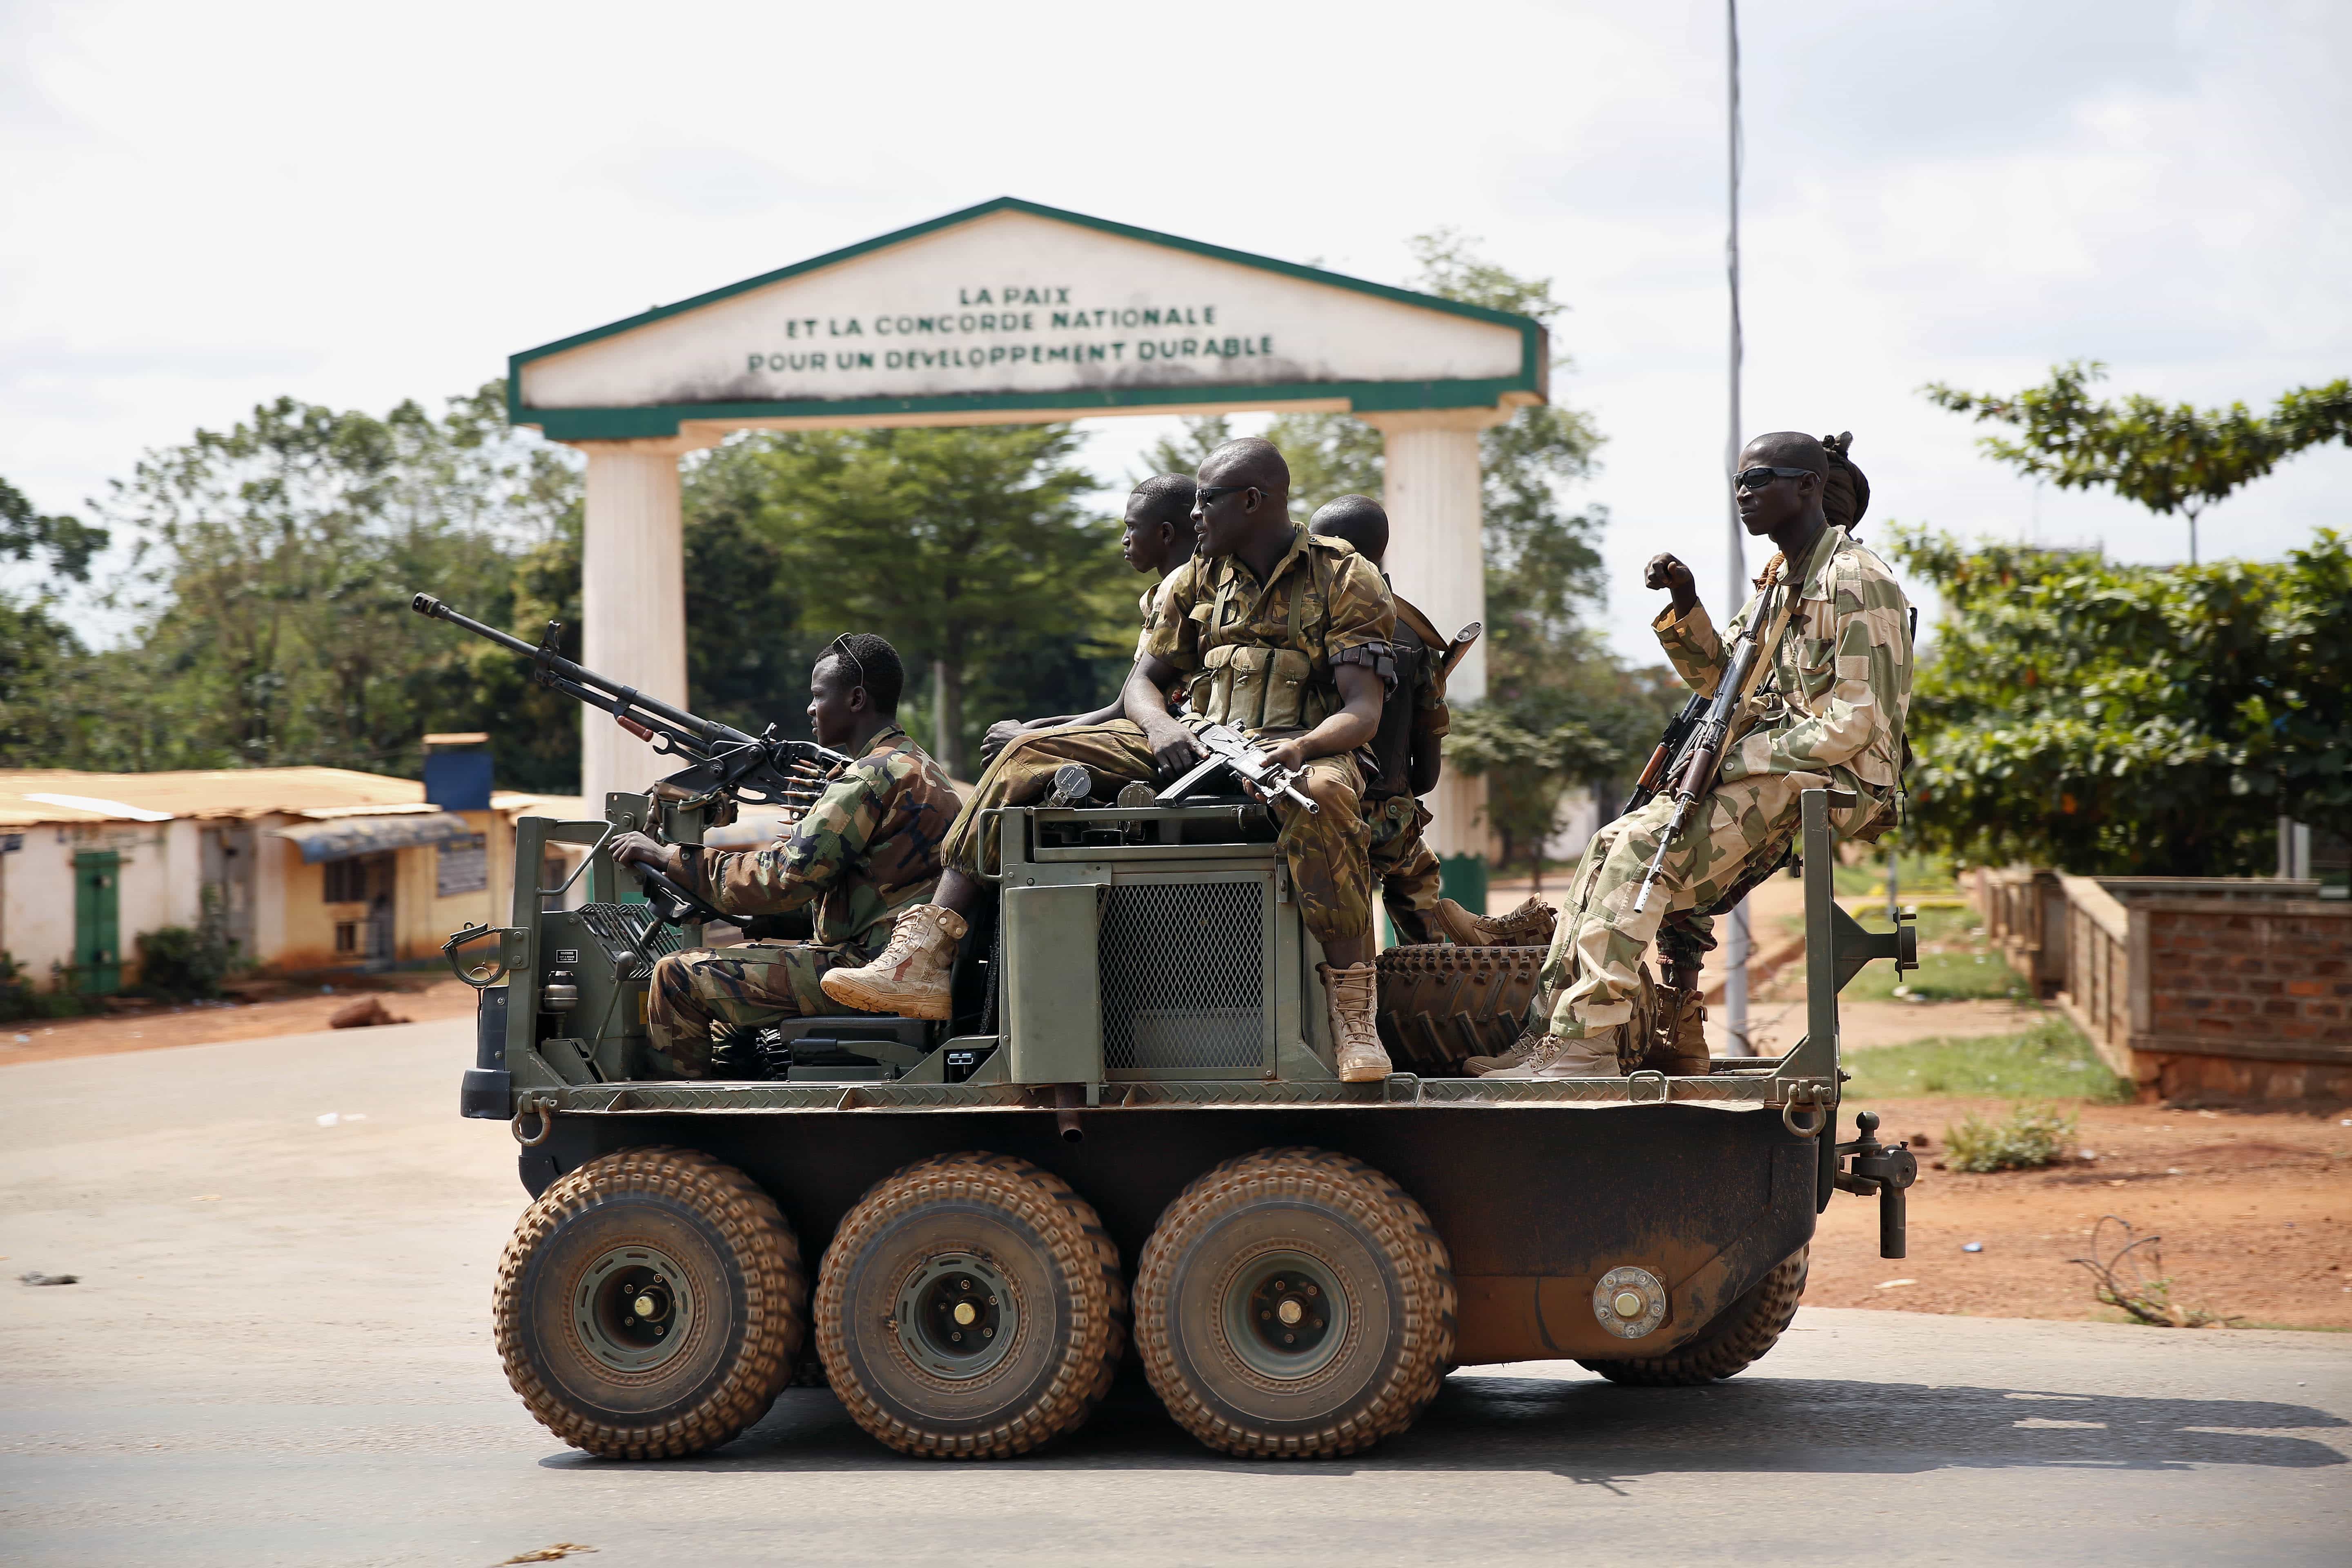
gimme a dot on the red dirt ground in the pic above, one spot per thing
(2254, 1207)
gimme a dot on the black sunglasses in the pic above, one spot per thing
(1757, 478)
(1208, 494)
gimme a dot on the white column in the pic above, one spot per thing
(1437, 560)
(632, 602)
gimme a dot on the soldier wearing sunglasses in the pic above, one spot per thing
(1830, 711)
(1277, 632)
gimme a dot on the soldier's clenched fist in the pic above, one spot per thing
(636, 849)
(1667, 571)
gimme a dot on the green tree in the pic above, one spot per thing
(270, 576)
(1528, 773)
(41, 658)
(2167, 457)
(971, 549)
(2113, 719)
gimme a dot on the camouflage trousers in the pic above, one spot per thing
(1326, 850)
(1592, 972)
(1403, 868)
(753, 982)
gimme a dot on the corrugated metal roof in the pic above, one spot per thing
(225, 793)
(346, 837)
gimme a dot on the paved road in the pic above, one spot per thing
(278, 1354)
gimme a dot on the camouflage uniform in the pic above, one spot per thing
(869, 849)
(1829, 712)
(1403, 868)
(1259, 657)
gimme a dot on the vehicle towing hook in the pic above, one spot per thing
(1885, 1169)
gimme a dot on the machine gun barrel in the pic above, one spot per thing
(759, 768)
(698, 737)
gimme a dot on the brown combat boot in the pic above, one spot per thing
(1594, 1056)
(910, 975)
(1354, 995)
(1683, 1052)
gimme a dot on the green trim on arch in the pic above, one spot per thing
(629, 423)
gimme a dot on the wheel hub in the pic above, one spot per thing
(633, 1307)
(1282, 1316)
(957, 1316)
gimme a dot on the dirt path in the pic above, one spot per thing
(418, 998)
(2255, 1209)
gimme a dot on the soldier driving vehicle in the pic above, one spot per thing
(1131, 1124)
(867, 847)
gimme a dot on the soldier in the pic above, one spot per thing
(1158, 539)
(867, 850)
(1829, 712)
(1280, 634)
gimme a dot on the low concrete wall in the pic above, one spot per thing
(2235, 987)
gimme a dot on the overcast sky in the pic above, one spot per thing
(210, 205)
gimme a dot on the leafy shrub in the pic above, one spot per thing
(184, 962)
(2033, 1136)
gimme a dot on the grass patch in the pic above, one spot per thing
(1916, 874)
(2051, 1060)
(2028, 1138)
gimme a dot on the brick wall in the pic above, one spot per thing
(2275, 976)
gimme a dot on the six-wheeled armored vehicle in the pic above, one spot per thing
(1128, 1140)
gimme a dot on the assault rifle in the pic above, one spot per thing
(1702, 754)
(753, 770)
(1229, 749)
(1670, 749)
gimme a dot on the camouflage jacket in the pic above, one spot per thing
(867, 849)
(1260, 654)
(1841, 672)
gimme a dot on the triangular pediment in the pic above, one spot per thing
(1010, 308)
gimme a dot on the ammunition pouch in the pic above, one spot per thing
(1251, 687)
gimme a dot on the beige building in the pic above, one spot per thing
(310, 868)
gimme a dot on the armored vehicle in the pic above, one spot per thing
(1128, 1140)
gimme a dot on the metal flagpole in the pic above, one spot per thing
(1735, 979)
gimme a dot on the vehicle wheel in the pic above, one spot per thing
(971, 1307)
(651, 1303)
(1440, 1002)
(1749, 1328)
(1293, 1304)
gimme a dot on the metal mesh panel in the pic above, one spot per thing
(631, 934)
(1184, 978)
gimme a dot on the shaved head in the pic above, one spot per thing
(1790, 449)
(1359, 520)
(1251, 460)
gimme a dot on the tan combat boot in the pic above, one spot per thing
(1529, 925)
(1354, 993)
(910, 975)
(1521, 1048)
(1455, 924)
(1594, 1056)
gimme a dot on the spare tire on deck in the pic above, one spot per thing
(1441, 1004)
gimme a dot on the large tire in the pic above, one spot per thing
(1747, 1328)
(651, 1304)
(971, 1307)
(1293, 1304)
(1440, 1003)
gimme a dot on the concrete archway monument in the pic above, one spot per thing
(1010, 312)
